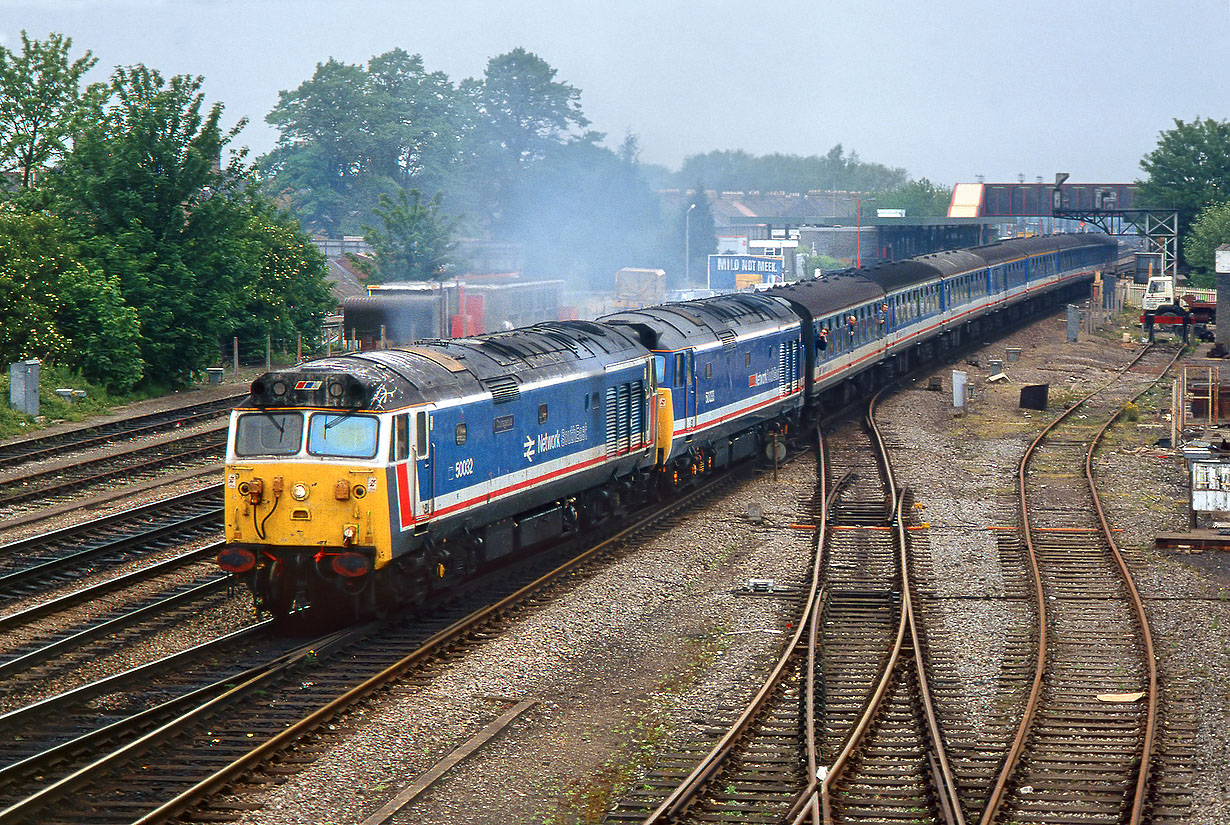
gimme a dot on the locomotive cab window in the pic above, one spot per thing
(681, 370)
(343, 435)
(269, 433)
(708, 371)
(399, 446)
(659, 370)
(542, 413)
(461, 434)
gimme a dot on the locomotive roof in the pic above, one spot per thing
(691, 323)
(821, 296)
(499, 363)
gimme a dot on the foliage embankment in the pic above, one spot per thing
(133, 247)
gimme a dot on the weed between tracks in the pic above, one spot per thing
(644, 734)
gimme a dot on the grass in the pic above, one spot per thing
(54, 409)
(97, 401)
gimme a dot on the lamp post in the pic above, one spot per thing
(687, 247)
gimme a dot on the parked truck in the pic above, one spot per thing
(1160, 306)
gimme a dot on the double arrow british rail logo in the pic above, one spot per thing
(529, 448)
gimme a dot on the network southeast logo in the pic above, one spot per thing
(760, 379)
(546, 442)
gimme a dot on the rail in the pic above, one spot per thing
(998, 793)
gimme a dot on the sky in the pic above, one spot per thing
(946, 89)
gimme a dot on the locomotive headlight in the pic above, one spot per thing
(299, 492)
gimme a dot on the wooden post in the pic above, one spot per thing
(268, 353)
(235, 343)
(383, 341)
(298, 347)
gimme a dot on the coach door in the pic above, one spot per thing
(423, 461)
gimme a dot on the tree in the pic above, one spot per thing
(526, 108)
(31, 246)
(40, 102)
(288, 293)
(416, 242)
(424, 121)
(1210, 230)
(146, 183)
(1189, 169)
(835, 170)
(104, 332)
(185, 236)
(919, 199)
(351, 133)
(319, 158)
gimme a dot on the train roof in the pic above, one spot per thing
(822, 296)
(499, 363)
(900, 274)
(691, 323)
(1018, 248)
(828, 294)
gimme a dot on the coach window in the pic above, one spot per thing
(420, 434)
(461, 434)
(542, 413)
(399, 447)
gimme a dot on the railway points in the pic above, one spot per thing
(1003, 592)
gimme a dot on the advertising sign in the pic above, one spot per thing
(733, 272)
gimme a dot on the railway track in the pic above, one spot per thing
(844, 701)
(879, 752)
(1084, 745)
(54, 485)
(15, 453)
(37, 564)
(229, 728)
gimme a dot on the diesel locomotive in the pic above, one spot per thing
(368, 480)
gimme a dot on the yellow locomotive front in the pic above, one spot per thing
(306, 504)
